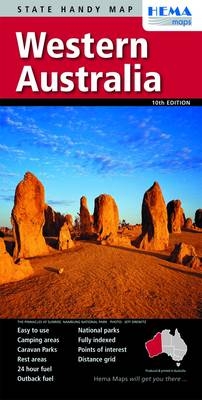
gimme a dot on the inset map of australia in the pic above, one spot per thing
(164, 342)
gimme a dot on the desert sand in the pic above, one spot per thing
(107, 282)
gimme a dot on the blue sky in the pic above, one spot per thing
(86, 150)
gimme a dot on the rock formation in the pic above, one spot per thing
(188, 224)
(155, 234)
(4, 231)
(185, 254)
(9, 271)
(117, 240)
(69, 221)
(175, 216)
(86, 227)
(106, 217)
(28, 218)
(198, 218)
(53, 221)
(65, 240)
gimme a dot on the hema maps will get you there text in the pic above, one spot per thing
(100, 199)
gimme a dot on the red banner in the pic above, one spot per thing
(174, 56)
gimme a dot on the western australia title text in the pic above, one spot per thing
(129, 77)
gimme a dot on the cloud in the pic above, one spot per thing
(173, 163)
(163, 158)
(165, 136)
(7, 198)
(69, 109)
(8, 174)
(145, 134)
(103, 163)
(58, 125)
(13, 150)
(100, 142)
(34, 134)
(26, 125)
(60, 202)
(12, 122)
(34, 159)
(55, 143)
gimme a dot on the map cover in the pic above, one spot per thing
(100, 199)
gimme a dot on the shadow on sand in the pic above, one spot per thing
(176, 269)
(10, 244)
(190, 230)
(156, 255)
(133, 249)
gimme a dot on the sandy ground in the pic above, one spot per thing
(107, 282)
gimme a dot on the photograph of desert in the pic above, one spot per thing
(100, 212)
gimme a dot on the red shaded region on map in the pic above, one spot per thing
(154, 346)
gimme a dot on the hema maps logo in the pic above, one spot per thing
(172, 15)
(169, 16)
